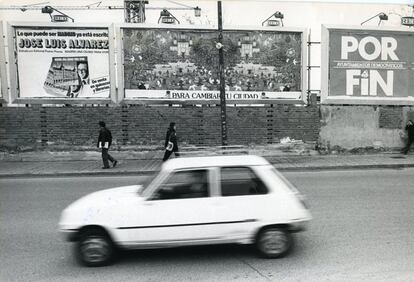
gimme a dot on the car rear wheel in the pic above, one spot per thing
(95, 248)
(274, 242)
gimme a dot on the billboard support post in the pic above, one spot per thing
(219, 45)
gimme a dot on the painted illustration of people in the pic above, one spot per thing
(83, 88)
(203, 87)
(238, 87)
(141, 86)
(181, 84)
(286, 88)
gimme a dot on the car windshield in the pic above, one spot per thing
(147, 182)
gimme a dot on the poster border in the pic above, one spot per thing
(120, 71)
(334, 100)
(4, 97)
(14, 85)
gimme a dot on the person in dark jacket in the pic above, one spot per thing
(171, 137)
(104, 142)
(410, 132)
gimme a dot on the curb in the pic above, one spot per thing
(347, 167)
(82, 174)
(149, 172)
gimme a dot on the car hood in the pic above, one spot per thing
(106, 197)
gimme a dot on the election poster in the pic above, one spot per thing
(67, 63)
(183, 64)
(3, 71)
(370, 65)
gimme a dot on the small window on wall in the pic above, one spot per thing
(240, 181)
(183, 185)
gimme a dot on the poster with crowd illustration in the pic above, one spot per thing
(184, 64)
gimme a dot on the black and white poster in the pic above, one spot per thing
(62, 63)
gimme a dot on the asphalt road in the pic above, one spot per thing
(362, 231)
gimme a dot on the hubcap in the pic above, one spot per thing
(95, 249)
(274, 242)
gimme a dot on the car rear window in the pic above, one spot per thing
(241, 181)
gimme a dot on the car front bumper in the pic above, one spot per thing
(70, 235)
(298, 226)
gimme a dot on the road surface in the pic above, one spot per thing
(362, 231)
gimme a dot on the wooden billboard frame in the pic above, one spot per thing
(4, 91)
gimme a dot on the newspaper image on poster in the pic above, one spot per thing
(63, 63)
(183, 64)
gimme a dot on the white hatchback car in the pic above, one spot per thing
(192, 201)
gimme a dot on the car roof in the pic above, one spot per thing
(213, 161)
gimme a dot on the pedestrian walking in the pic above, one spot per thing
(410, 132)
(171, 142)
(104, 142)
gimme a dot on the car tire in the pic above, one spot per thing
(95, 248)
(273, 242)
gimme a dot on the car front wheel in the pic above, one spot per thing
(95, 248)
(274, 242)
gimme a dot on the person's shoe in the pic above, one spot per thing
(115, 163)
(105, 167)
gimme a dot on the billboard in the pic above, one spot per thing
(3, 71)
(368, 66)
(62, 64)
(183, 64)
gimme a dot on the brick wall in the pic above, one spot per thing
(20, 128)
(36, 128)
(391, 117)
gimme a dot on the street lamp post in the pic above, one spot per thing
(381, 16)
(60, 17)
(167, 18)
(219, 46)
(278, 16)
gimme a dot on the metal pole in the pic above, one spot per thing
(309, 67)
(221, 76)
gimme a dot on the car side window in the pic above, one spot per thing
(183, 185)
(240, 181)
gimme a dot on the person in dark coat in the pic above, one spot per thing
(410, 132)
(171, 137)
(104, 142)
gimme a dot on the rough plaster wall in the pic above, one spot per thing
(352, 127)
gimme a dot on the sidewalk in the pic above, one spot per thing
(38, 165)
